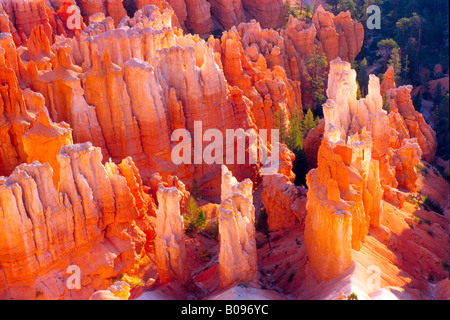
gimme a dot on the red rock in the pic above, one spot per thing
(406, 159)
(388, 82)
(339, 35)
(283, 201)
(171, 255)
(198, 18)
(312, 143)
(400, 99)
(228, 12)
(237, 247)
(38, 250)
(269, 13)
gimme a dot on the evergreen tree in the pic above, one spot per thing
(437, 94)
(405, 71)
(195, 193)
(385, 48)
(308, 123)
(416, 23)
(386, 103)
(417, 101)
(193, 217)
(403, 25)
(280, 123)
(316, 65)
(396, 63)
(362, 75)
(295, 134)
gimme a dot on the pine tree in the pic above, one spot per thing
(280, 123)
(396, 63)
(308, 122)
(315, 65)
(190, 216)
(195, 193)
(417, 101)
(437, 94)
(295, 135)
(362, 75)
(385, 48)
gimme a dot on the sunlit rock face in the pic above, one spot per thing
(357, 165)
(170, 249)
(88, 114)
(237, 247)
(89, 220)
(285, 203)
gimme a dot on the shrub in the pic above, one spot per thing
(193, 217)
(352, 296)
(205, 254)
(212, 229)
(432, 204)
(416, 219)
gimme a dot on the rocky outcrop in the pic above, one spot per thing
(312, 143)
(170, 248)
(43, 141)
(284, 202)
(198, 18)
(25, 122)
(344, 193)
(269, 13)
(26, 14)
(90, 221)
(228, 12)
(268, 88)
(359, 162)
(185, 84)
(237, 246)
(339, 35)
(290, 47)
(405, 160)
(401, 103)
(120, 290)
(388, 82)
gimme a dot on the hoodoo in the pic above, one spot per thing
(223, 149)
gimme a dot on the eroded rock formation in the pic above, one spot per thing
(357, 164)
(170, 249)
(91, 220)
(237, 247)
(284, 202)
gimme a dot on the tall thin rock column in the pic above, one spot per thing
(237, 251)
(170, 247)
